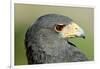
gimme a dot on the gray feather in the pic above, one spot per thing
(44, 45)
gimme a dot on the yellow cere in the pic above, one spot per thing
(70, 30)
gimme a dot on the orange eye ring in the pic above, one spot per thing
(59, 27)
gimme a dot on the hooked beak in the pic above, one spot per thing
(72, 30)
(80, 33)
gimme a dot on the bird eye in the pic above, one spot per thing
(59, 27)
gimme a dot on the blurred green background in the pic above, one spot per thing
(26, 14)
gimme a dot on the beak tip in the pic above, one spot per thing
(83, 37)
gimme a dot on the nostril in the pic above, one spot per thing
(76, 28)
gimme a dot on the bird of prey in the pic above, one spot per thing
(46, 41)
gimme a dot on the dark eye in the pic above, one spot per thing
(59, 27)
